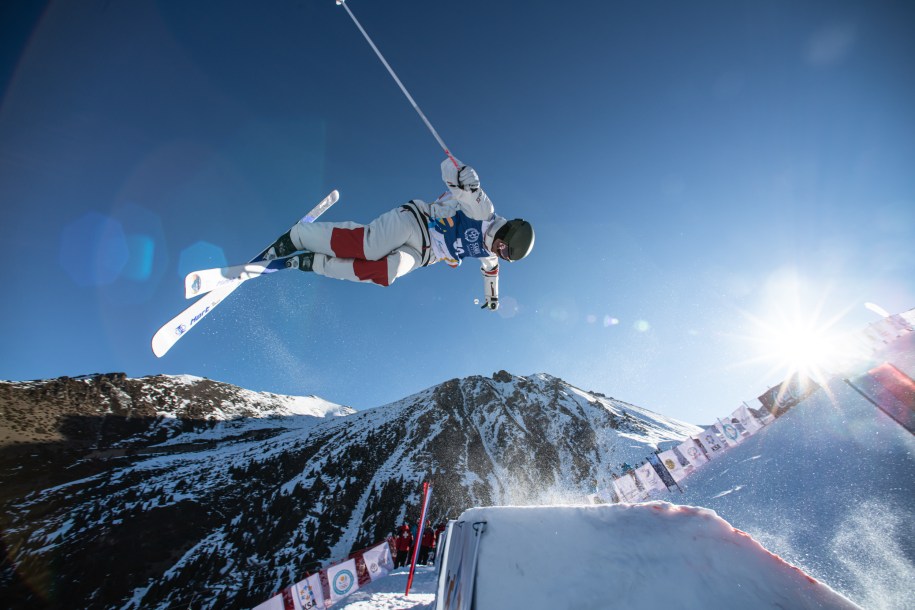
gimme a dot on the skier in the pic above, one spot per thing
(461, 223)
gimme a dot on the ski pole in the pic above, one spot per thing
(438, 138)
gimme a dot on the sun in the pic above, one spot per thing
(800, 348)
(795, 344)
(798, 329)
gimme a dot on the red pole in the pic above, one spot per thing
(427, 489)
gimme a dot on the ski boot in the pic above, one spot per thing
(280, 248)
(302, 262)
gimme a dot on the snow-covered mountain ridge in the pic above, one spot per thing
(178, 486)
(176, 395)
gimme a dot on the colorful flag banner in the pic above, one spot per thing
(783, 397)
(730, 432)
(342, 579)
(659, 468)
(627, 489)
(675, 464)
(746, 419)
(642, 493)
(650, 479)
(378, 561)
(896, 383)
(890, 390)
(694, 454)
(607, 496)
(308, 594)
(888, 330)
(713, 444)
(760, 412)
(620, 491)
(328, 586)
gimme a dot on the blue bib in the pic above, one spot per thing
(463, 236)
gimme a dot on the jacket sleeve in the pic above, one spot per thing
(476, 203)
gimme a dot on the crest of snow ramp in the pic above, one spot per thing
(633, 556)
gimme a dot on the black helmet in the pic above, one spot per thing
(518, 235)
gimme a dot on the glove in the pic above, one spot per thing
(468, 179)
(463, 177)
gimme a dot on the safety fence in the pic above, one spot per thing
(333, 583)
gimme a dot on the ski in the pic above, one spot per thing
(166, 337)
(205, 280)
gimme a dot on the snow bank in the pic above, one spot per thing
(653, 555)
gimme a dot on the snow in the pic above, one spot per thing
(652, 555)
(632, 556)
(833, 469)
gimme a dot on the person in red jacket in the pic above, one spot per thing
(440, 530)
(427, 544)
(404, 544)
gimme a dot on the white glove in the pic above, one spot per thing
(462, 176)
(492, 303)
(468, 179)
(491, 289)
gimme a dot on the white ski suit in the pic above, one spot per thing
(459, 224)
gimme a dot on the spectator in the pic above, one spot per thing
(427, 544)
(439, 531)
(404, 544)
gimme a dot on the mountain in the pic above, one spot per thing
(100, 409)
(167, 491)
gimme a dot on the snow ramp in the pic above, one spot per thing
(633, 556)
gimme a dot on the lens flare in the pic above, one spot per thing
(200, 255)
(94, 250)
(801, 332)
(801, 347)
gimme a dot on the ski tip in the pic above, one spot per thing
(166, 337)
(163, 341)
(158, 349)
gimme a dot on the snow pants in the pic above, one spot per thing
(387, 248)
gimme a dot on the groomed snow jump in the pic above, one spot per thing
(633, 556)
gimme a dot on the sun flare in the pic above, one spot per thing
(801, 349)
(798, 344)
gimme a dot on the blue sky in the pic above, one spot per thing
(697, 173)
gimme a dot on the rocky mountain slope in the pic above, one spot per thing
(168, 491)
